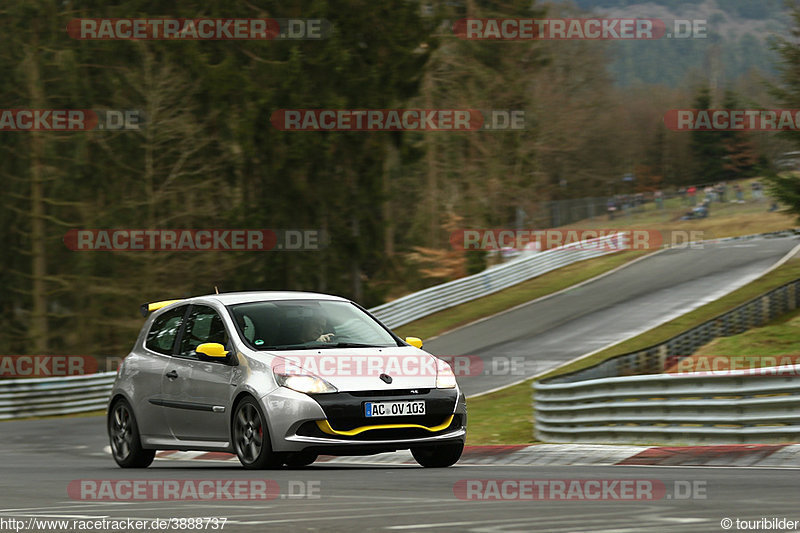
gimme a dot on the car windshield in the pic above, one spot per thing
(299, 324)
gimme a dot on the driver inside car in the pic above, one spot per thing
(314, 329)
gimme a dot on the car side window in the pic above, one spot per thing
(164, 330)
(202, 325)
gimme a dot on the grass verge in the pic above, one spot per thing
(774, 344)
(503, 417)
(728, 219)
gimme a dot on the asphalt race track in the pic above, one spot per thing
(41, 458)
(613, 308)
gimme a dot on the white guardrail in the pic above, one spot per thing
(21, 398)
(738, 406)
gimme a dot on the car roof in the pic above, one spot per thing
(230, 298)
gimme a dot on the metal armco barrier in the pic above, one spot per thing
(434, 299)
(752, 406)
(21, 398)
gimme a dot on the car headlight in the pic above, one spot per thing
(304, 383)
(445, 379)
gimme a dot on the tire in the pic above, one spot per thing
(438, 456)
(123, 434)
(300, 459)
(251, 437)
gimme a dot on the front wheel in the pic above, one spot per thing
(126, 446)
(251, 437)
(438, 456)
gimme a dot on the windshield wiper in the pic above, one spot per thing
(282, 347)
(314, 346)
(353, 345)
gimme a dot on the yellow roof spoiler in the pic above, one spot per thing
(155, 306)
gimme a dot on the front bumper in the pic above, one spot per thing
(335, 423)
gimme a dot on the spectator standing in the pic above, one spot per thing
(758, 193)
(691, 192)
(611, 207)
(659, 197)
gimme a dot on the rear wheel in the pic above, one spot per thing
(126, 446)
(300, 459)
(438, 456)
(251, 437)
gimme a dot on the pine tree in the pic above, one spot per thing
(786, 188)
(707, 147)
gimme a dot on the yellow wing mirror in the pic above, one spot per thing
(414, 341)
(212, 349)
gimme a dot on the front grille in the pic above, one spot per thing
(396, 392)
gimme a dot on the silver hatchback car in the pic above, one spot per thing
(278, 378)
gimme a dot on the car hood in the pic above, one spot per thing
(362, 369)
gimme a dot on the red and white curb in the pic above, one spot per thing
(736, 455)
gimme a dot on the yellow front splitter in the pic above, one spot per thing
(325, 427)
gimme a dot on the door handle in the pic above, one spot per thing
(172, 374)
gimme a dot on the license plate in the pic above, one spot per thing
(406, 408)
